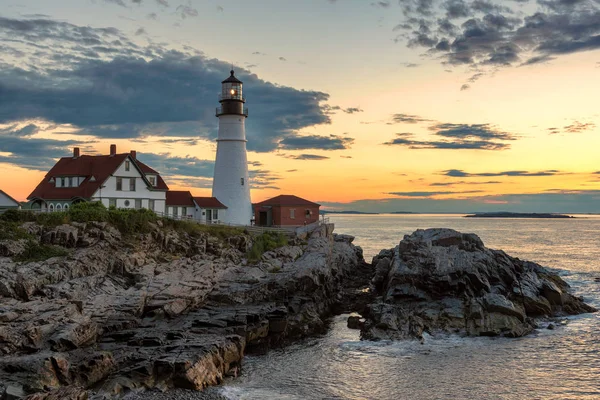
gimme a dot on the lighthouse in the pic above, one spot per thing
(230, 181)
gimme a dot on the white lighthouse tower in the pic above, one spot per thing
(230, 182)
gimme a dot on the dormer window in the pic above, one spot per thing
(70, 181)
(152, 180)
(62, 182)
(127, 165)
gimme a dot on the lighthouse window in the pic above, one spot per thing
(242, 181)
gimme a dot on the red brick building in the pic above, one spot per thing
(286, 210)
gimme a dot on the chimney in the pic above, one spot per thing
(76, 152)
(133, 154)
(113, 149)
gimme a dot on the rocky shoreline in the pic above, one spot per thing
(166, 309)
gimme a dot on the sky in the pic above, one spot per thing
(378, 106)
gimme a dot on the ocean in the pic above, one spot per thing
(551, 364)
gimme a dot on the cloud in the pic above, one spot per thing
(352, 110)
(575, 127)
(308, 157)
(19, 147)
(331, 142)
(99, 81)
(489, 35)
(430, 194)
(187, 11)
(457, 136)
(408, 119)
(381, 4)
(462, 174)
(282, 59)
(578, 127)
(140, 31)
(463, 183)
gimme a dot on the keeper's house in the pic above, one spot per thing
(118, 180)
(286, 210)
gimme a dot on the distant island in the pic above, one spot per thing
(516, 215)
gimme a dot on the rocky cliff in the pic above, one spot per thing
(162, 309)
(441, 280)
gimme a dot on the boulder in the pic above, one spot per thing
(444, 280)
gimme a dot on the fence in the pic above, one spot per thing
(252, 229)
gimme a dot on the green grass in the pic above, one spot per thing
(10, 230)
(266, 242)
(40, 252)
(127, 221)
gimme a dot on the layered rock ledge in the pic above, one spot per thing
(160, 310)
(441, 280)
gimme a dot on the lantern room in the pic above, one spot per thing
(231, 88)
(231, 97)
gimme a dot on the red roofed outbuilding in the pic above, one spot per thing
(286, 210)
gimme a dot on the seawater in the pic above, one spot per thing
(551, 364)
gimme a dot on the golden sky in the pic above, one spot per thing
(380, 106)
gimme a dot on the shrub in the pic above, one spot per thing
(88, 211)
(53, 219)
(12, 231)
(18, 216)
(266, 242)
(39, 252)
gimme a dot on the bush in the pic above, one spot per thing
(12, 231)
(40, 252)
(266, 242)
(88, 211)
(13, 215)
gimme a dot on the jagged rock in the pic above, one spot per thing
(444, 280)
(167, 309)
(343, 238)
(11, 248)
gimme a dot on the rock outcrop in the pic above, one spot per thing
(159, 310)
(441, 280)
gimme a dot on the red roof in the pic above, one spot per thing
(208, 202)
(98, 167)
(287, 200)
(160, 183)
(180, 198)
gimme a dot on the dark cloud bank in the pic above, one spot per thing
(485, 35)
(107, 86)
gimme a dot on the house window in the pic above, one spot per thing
(242, 180)
(308, 213)
(184, 211)
(152, 180)
(127, 203)
(62, 182)
(58, 207)
(292, 213)
(70, 182)
(112, 202)
(51, 207)
(66, 206)
(138, 203)
(132, 184)
(119, 184)
(215, 214)
(175, 210)
(127, 165)
(151, 204)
